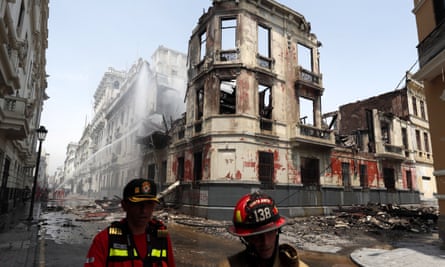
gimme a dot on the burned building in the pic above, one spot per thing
(383, 147)
(250, 64)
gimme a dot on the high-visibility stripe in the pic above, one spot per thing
(158, 253)
(116, 252)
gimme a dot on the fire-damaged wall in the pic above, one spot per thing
(244, 129)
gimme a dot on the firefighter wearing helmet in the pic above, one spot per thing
(257, 222)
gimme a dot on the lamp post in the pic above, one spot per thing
(41, 134)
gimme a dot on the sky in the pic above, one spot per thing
(367, 46)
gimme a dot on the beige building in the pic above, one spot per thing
(430, 18)
(23, 44)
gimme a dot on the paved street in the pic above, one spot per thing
(61, 238)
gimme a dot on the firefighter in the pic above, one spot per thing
(257, 223)
(138, 240)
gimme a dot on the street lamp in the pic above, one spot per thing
(41, 134)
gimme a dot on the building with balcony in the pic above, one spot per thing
(23, 44)
(430, 20)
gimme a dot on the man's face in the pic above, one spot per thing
(139, 213)
(264, 243)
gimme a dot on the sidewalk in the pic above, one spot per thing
(424, 252)
(19, 237)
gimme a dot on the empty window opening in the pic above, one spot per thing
(363, 176)
(304, 57)
(306, 111)
(310, 171)
(264, 52)
(203, 41)
(197, 166)
(263, 41)
(265, 101)
(228, 34)
(227, 97)
(265, 106)
(385, 133)
(266, 169)
(345, 173)
(199, 103)
(389, 179)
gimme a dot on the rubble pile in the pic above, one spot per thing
(389, 217)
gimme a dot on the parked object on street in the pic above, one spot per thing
(138, 239)
(257, 223)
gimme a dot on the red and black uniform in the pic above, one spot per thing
(116, 246)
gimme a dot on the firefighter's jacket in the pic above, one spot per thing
(116, 246)
(287, 256)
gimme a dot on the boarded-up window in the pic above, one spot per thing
(409, 181)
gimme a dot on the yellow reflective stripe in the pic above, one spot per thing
(158, 253)
(118, 252)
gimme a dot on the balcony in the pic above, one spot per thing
(386, 150)
(310, 136)
(432, 45)
(13, 121)
(306, 79)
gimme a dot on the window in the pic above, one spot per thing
(266, 169)
(426, 142)
(418, 141)
(265, 106)
(422, 110)
(197, 166)
(414, 106)
(203, 41)
(405, 138)
(345, 174)
(385, 133)
(227, 97)
(228, 34)
(151, 171)
(180, 171)
(388, 179)
(363, 175)
(310, 171)
(304, 54)
(199, 103)
(264, 47)
(163, 172)
(306, 111)
(409, 181)
(439, 11)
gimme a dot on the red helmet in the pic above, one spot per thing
(254, 214)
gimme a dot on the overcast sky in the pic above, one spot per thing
(367, 46)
